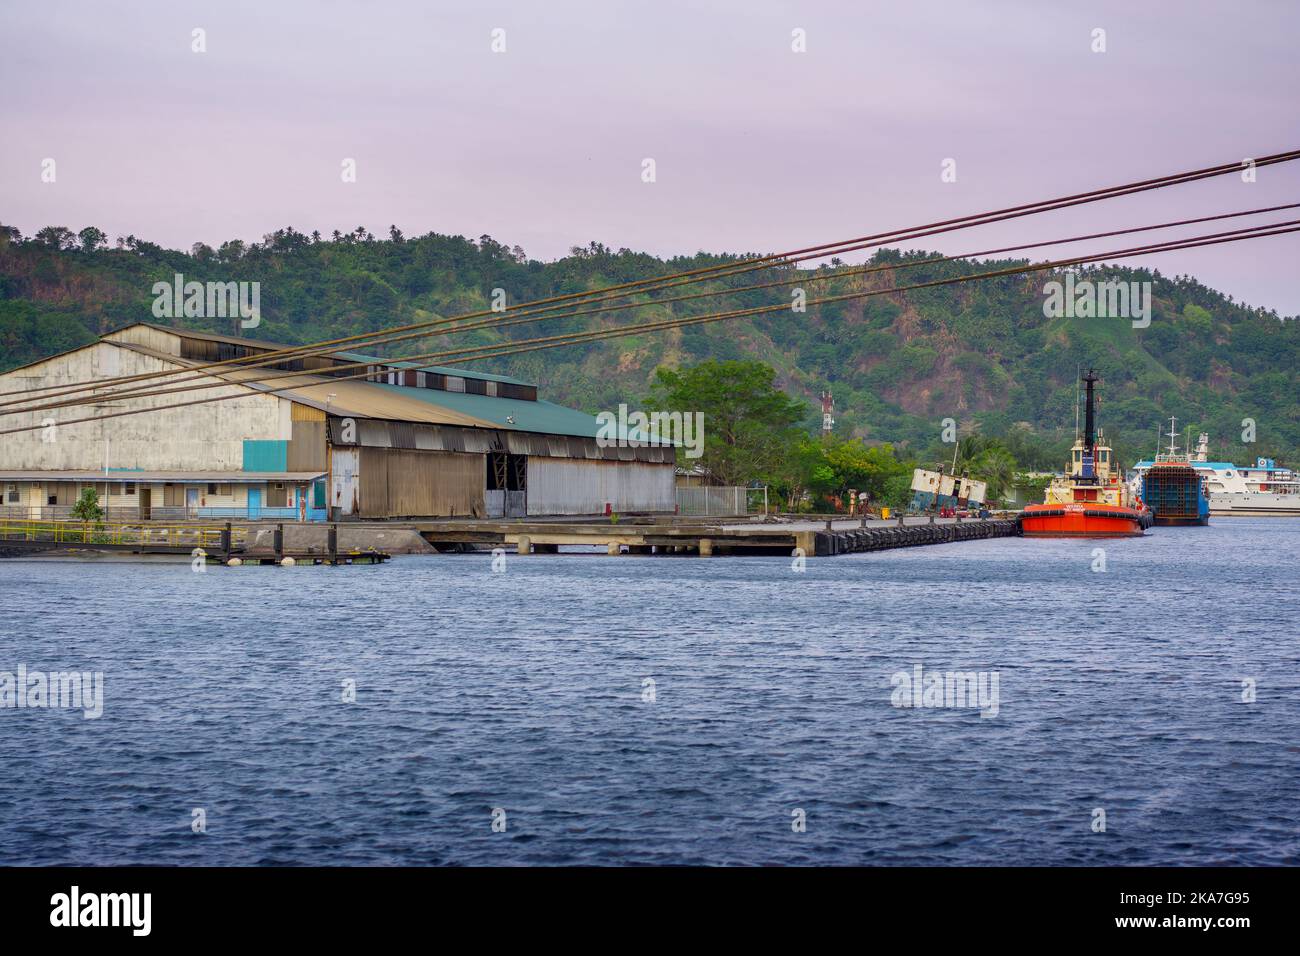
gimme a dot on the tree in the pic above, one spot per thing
(997, 467)
(87, 506)
(56, 237)
(749, 423)
(91, 239)
(231, 251)
(838, 466)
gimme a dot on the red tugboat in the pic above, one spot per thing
(1090, 501)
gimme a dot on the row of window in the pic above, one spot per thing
(414, 378)
(128, 488)
(1103, 456)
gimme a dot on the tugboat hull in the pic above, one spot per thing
(1079, 521)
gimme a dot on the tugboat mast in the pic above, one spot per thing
(1089, 426)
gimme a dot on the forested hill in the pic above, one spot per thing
(982, 352)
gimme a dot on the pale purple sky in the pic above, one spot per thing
(757, 148)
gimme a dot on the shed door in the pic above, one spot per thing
(344, 486)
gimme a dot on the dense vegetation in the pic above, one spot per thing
(981, 353)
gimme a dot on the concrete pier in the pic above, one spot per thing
(818, 538)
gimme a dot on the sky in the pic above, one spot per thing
(756, 147)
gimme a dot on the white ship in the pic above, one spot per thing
(1259, 490)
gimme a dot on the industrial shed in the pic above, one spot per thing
(407, 441)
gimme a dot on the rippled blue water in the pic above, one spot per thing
(524, 691)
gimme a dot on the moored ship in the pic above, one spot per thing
(1173, 489)
(1090, 500)
(1262, 490)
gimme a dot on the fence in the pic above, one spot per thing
(179, 537)
(713, 500)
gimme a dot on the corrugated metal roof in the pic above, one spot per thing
(195, 334)
(516, 414)
(355, 397)
(346, 355)
(359, 398)
(543, 417)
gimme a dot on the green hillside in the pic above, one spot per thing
(981, 353)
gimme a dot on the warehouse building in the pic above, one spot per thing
(407, 441)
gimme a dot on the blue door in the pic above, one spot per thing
(255, 502)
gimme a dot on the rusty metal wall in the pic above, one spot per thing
(402, 483)
(306, 448)
(569, 486)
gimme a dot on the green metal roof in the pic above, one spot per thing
(543, 417)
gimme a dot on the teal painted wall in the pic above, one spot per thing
(265, 455)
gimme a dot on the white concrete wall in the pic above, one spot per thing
(205, 437)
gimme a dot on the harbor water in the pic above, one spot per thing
(1141, 705)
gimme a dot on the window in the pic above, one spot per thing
(11, 494)
(212, 487)
(507, 472)
(128, 487)
(224, 490)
